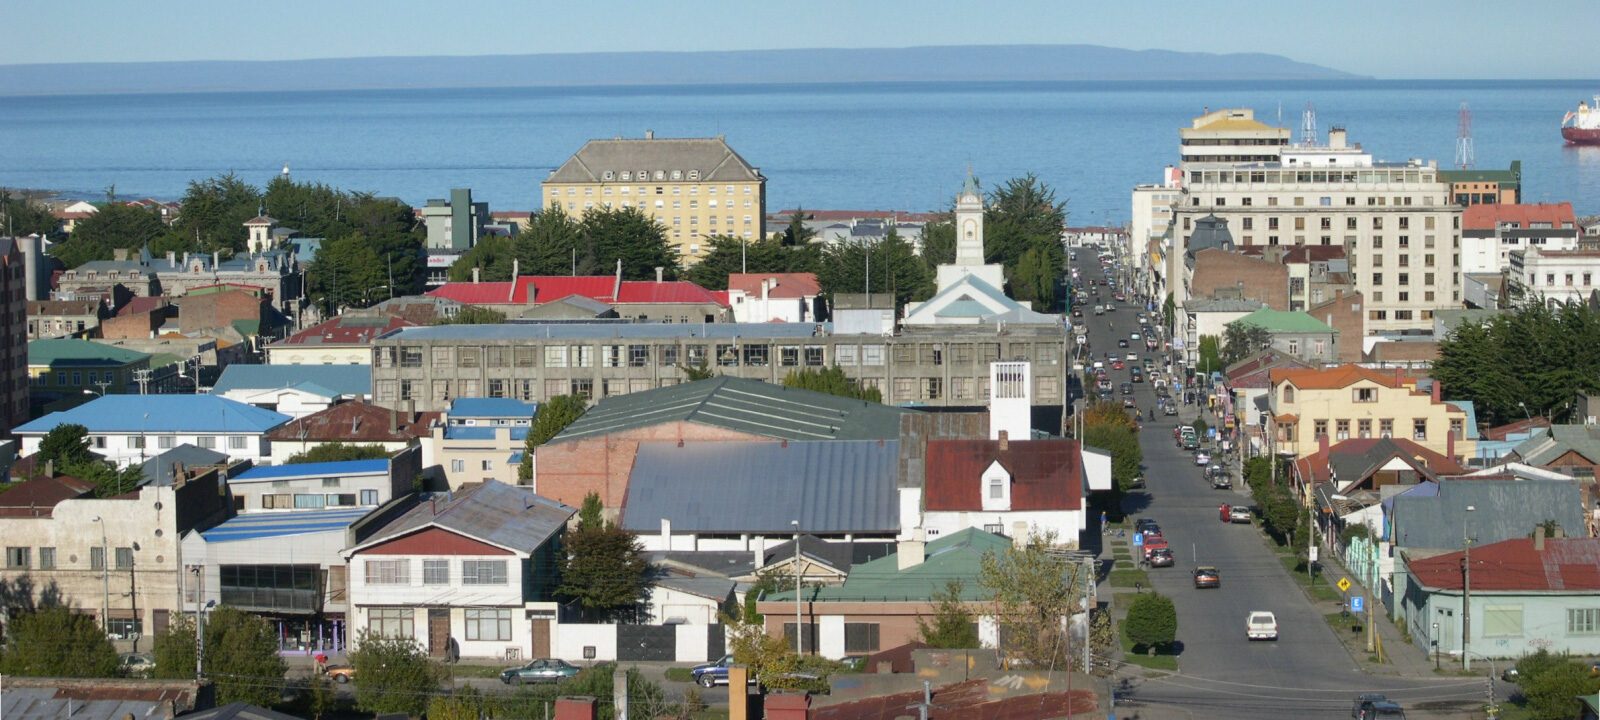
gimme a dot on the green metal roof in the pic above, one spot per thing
(743, 405)
(957, 556)
(1511, 176)
(1285, 322)
(62, 352)
(161, 360)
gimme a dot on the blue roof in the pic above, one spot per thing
(1471, 425)
(492, 408)
(339, 379)
(252, 526)
(341, 468)
(161, 414)
(483, 432)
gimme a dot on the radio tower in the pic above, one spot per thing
(1308, 126)
(1464, 139)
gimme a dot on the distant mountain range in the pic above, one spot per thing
(966, 63)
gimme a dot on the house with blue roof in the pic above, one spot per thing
(131, 429)
(477, 453)
(319, 485)
(491, 412)
(294, 390)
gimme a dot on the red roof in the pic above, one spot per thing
(1500, 432)
(1565, 564)
(550, 288)
(788, 285)
(1523, 215)
(37, 497)
(138, 305)
(356, 421)
(1045, 474)
(346, 330)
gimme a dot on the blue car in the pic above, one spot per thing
(712, 673)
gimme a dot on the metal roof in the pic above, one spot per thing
(1505, 509)
(830, 486)
(744, 405)
(958, 555)
(602, 331)
(158, 470)
(55, 703)
(512, 517)
(161, 414)
(340, 379)
(491, 408)
(254, 526)
(338, 468)
(711, 158)
(69, 352)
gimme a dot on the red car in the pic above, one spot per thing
(1153, 544)
(1117, 365)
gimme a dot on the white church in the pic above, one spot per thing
(971, 292)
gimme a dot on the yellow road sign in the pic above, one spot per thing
(1344, 584)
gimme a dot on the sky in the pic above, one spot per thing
(1388, 39)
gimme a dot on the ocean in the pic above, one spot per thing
(904, 146)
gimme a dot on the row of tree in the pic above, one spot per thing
(1533, 361)
(1107, 426)
(556, 243)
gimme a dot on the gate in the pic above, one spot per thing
(647, 642)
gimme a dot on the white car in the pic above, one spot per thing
(1261, 625)
(1202, 459)
(1134, 337)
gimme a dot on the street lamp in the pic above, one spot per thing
(1466, 589)
(133, 598)
(1525, 413)
(105, 578)
(799, 631)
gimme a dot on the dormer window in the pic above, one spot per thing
(626, 176)
(995, 485)
(677, 174)
(1288, 393)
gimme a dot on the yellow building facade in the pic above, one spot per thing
(1350, 401)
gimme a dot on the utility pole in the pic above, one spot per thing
(799, 628)
(1089, 604)
(1466, 592)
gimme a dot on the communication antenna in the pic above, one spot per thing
(1308, 126)
(1464, 139)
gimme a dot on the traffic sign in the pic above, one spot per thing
(1344, 584)
(1138, 538)
(1357, 603)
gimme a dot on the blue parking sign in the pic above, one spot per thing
(1357, 603)
(1138, 538)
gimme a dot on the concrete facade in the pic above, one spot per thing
(1553, 276)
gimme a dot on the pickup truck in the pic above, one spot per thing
(1261, 625)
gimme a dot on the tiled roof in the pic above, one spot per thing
(1489, 216)
(550, 288)
(1252, 371)
(749, 406)
(1564, 565)
(69, 352)
(336, 468)
(1525, 425)
(710, 158)
(346, 330)
(40, 495)
(789, 285)
(355, 421)
(509, 516)
(1045, 474)
(161, 414)
(1335, 377)
(354, 380)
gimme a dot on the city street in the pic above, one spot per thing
(1221, 672)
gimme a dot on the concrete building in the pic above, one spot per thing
(695, 187)
(481, 440)
(1209, 317)
(1485, 187)
(773, 297)
(274, 271)
(454, 224)
(129, 429)
(13, 336)
(528, 296)
(1400, 229)
(68, 369)
(64, 318)
(1312, 407)
(1346, 314)
(469, 568)
(1553, 276)
(424, 368)
(1490, 232)
(1151, 229)
(1231, 135)
(325, 485)
(343, 340)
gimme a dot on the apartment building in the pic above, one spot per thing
(424, 368)
(694, 187)
(1400, 230)
(1553, 276)
(1478, 186)
(1490, 232)
(13, 336)
(1314, 407)
(1231, 135)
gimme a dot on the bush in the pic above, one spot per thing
(1152, 621)
(241, 655)
(1552, 693)
(393, 675)
(57, 642)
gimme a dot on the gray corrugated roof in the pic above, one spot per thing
(42, 704)
(830, 486)
(1559, 441)
(599, 331)
(238, 711)
(748, 406)
(715, 161)
(158, 470)
(721, 563)
(1505, 509)
(496, 513)
(714, 588)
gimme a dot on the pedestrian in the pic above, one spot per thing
(321, 660)
(1105, 522)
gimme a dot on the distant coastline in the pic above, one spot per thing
(943, 64)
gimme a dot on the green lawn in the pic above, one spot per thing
(477, 671)
(1128, 577)
(679, 674)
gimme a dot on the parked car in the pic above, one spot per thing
(1363, 699)
(1261, 625)
(1146, 524)
(1128, 402)
(1170, 409)
(1122, 342)
(1384, 709)
(1126, 388)
(136, 664)
(1206, 576)
(1161, 558)
(1239, 514)
(340, 673)
(1152, 545)
(1202, 458)
(1137, 483)
(541, 670)
(1221, 482)
(712, 673)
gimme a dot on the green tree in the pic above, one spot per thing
(1553, 693)
(952, 625)
(1169, 308)
(174, 649)
(214, 213)
(725, 255)
(886, 266)
(1023, 215)
(553, 416)
(771, 659)
(491, 256)
(241, 657)
(629, 235)
(797, 233)
(57, 642)
(1241, 340)
(339, 452)
(552, 244)
(116, 226)
(1034, 279)
(1152, 622)
(21, 215)
(698, 371)
(346, 271)
(1534, 360)
(1034, 591)
(473, 315)
(393, 675)
(108, 479)
(939, 242)
(767, 581)
(603, 570)
(832, 381)
(66, 444)
(1210, 353)
(1108, 427)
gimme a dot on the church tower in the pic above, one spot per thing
(969, 224)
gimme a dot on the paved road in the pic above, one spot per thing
(1306, 671)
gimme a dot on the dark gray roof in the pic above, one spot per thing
(720, 563)
(238, 711)
(1562, 439)
(748, 406)
(830, 486)
(158, 470)
(1210, 232)
(837, 555)
(711, 158)
(509, 516)
(42, 703)
(1505, 509)
(714, 588)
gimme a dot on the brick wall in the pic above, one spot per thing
(1347, 314)
(198, 313)
(135, 326)
(1254, 278)
(568, 471)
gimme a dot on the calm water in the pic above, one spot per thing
(902, 146)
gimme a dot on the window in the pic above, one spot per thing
(388, 572)
(1341, 430)
(1419, 429)
(124, 557)
(997, 488)
(488, 624)
(814, 355)
(47, 558)
(391, 622)
(458, 465)
(136, 442)
(483, 572)
(1288, 393)
(1366, 395)
(435, 572)
(1502, 621)
(277, 502)
(237, 442)
(369, 497)
(1386, 427)
(860, 637)
(97, 558)
(309, 501)
(124, 627)
(19, 558)
(1583, 621)
(808, 638)
(1319, 428)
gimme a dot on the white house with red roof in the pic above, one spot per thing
(1490, 232)
(773, 297)
(660, 300)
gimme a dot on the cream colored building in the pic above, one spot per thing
(1347, 402)
(1231, 135)
(1400, 231)
(694, 187)
(476, 454)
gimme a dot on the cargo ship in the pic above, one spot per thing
(1582, 126)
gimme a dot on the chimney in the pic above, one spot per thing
(758, 544)
(666, 534)
(1322, 444)
(1005, 441)
(394, 421)
(660, 272)
(474, 276)
(766, 295)
(649, 134)
(1436, 386)
(1336, 138)
(120, 254)
(172, 259)
(1538, 539)
(516, 268)
(910, 553)
(616, 285)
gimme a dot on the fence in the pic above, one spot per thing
(639, 643)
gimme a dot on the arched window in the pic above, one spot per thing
(1288, 393)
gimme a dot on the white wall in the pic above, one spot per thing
(294, 403)
(1067, 524)
(571, 638)
(318, 355)
(830, 636)
(120, 447)
(679, 607)
(415, 594)
(252, 490)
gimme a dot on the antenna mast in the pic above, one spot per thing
(1308, 126)
(1464, 140)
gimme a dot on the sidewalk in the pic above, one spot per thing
(1399, 656)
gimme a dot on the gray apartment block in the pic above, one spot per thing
(424, 368)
